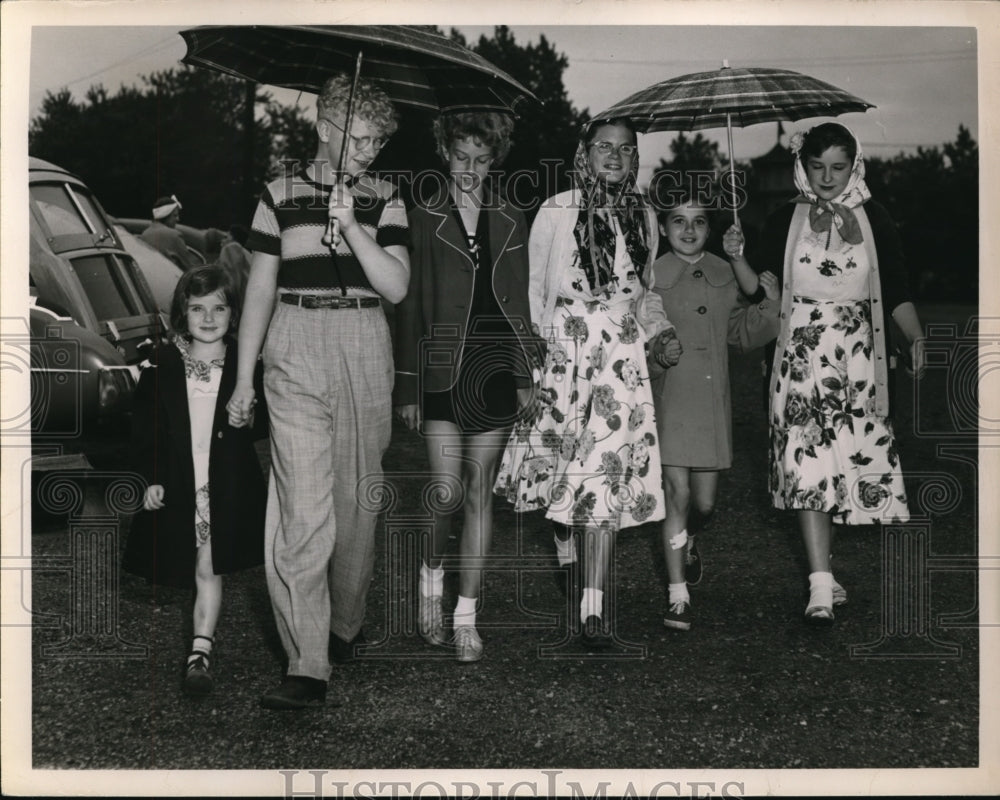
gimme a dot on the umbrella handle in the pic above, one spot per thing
(732, 164)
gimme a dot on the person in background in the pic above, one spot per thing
(163, 234)
(839, 260)
(468, 298)
(313, 309)
(234, 257)
(704, 297)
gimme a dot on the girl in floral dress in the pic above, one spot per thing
(833, 451)
(591, 456)
(203, 508)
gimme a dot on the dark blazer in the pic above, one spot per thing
(434, 316)
(161, 544)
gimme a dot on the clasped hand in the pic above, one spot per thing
(341, 211)
(666, 349)
(240, 406)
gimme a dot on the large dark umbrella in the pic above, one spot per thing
(415, 66)
(729, 97)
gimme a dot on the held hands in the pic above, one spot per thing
(666, 349)
(410, 414)
(732, 242)
(240, 406)
(769, 283)
(341, 211)
(152, 500)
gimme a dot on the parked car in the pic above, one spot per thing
(92, 317)
(195, 239)
(160, 272)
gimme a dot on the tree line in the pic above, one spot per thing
(215, 141)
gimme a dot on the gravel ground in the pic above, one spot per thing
(748, 687)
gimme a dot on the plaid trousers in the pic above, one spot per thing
(328, 381)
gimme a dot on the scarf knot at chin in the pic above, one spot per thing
(823, 215)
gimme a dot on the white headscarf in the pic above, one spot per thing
(165, 207)
(823, 213)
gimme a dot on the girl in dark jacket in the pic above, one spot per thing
(203, 509)
(462, 370)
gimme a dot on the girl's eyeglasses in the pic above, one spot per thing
(606, 148)
(360, 142)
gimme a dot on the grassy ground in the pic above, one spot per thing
(748, 687)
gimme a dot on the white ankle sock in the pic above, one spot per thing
(676, 592)
(591, 604)
(431, 581)
(821, 589)
(465, 612)
(565, 550)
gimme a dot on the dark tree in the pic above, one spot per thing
(182, 132)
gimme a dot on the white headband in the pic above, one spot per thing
(164, 211)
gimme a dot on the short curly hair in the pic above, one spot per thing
(371, 103)
(490, 128)
(199, 282)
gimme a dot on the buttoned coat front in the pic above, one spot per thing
(433, 319)
(693, 405)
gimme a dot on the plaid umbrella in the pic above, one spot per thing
(415, 66)
(729, 97)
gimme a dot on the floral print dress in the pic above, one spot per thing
(203, 380)
(591, 455)
(830, 451)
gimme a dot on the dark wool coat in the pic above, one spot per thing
(161, 544)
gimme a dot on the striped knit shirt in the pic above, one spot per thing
(291, 219)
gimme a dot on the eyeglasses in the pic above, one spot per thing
(606, 148)
(360, 142)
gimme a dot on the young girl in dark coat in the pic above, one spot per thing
(203, 509)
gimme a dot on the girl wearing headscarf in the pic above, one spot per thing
(590, 455)
(833, 452)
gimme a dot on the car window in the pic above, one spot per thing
(67, 209)
(61, 215)
(103, 282)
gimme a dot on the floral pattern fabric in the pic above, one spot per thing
(830, 450)
(591, 455)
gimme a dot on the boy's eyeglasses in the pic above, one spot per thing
(606, 148)
(360, 142)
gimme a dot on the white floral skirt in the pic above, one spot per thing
(829, 450)
(591, 456)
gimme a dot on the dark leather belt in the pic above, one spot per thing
(328, 301)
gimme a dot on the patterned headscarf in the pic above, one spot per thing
(826, 213)
(595, 235)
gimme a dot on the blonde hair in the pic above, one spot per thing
(371, 103)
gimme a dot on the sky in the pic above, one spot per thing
(922, 80)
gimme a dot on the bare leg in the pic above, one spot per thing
(444, 448)
(208, 597)
(677, 491)
(482, 451)
(817, 535)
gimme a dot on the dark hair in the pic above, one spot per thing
(590, 129)
(818, 140)
(199, 282)
(490, 128)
